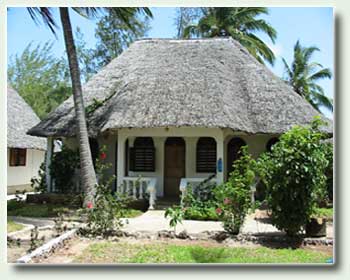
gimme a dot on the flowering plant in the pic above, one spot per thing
(234, 196)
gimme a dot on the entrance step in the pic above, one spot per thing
(164, 203)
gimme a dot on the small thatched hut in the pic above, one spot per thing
(180, 109)
(25, 153)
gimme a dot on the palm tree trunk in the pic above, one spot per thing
(88, 176)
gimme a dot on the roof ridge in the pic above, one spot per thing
(226, 38)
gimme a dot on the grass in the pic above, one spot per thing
(23, 209)
(132, 213)
(325, 213)
(112, 252)
(12, 226)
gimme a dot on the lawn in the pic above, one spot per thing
(23, 209)
(12, 226)
(120, 252)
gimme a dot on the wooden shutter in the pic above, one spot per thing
(18, 157)
(142, 155)
(206, 155)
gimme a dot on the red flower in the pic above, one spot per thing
(227, 201)
(218, 211)
(89, 205)
(103, 156)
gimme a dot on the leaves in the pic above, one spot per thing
(294, 175)
(303, 76)
(238, 22)
(234, 196)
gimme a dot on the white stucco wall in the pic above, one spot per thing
(256, 145)
(21, 175)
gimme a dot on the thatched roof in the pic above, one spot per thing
(20, 118)
(174, 83)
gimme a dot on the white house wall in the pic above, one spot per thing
(21, 175)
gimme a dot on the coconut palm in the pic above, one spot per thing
(303, 76)
(239, 23)
(88, 175)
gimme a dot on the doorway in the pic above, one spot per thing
(174, 165)
(233, 153)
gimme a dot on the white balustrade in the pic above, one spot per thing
(138, 186)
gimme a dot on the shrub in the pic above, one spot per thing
(63, 168)
(199, 203)
(294, 174)
(234, 196)
(328, 148)
(39, 183)
(176, 216)
(105, 212)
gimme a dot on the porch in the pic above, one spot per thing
(161, 162)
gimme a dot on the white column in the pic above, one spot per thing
(190, 156)
(49, 151)
(220, 157)
(121, 159)
(159, 145)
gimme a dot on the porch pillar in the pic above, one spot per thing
(120, 159)
(219, 159)
(49, 150)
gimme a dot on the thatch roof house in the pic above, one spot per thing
(25, 153)
(171, 109)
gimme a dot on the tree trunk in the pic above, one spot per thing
(88, 176)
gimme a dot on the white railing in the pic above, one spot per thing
(137, 187)
(194, 182)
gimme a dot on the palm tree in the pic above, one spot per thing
(303, 75)
(240, 24)
(88, 175)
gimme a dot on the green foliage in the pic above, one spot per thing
(303, 76)
(234, 196)
(114, 34)
(240, 23)
(104, 213)
(199, 203)
(176, 216)
(39, 183)
(294, 174)
(63, 170)
(328, 149)
(323, 213)
(186, 16)
(40, 78)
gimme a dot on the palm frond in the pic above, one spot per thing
(322, 74)
(43, 14)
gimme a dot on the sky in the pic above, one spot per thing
(312, 26)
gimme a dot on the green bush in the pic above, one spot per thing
(63, 167)
(294, 174)
(199, 203)
(328, 148)
(39, 183)
(234, 196)
(105, 212)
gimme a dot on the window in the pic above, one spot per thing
(142, 155)
(206, 155)
(270, 143)
(18, 157)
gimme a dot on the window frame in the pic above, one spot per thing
(202, 156)
(143, 150)
(18, 157)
